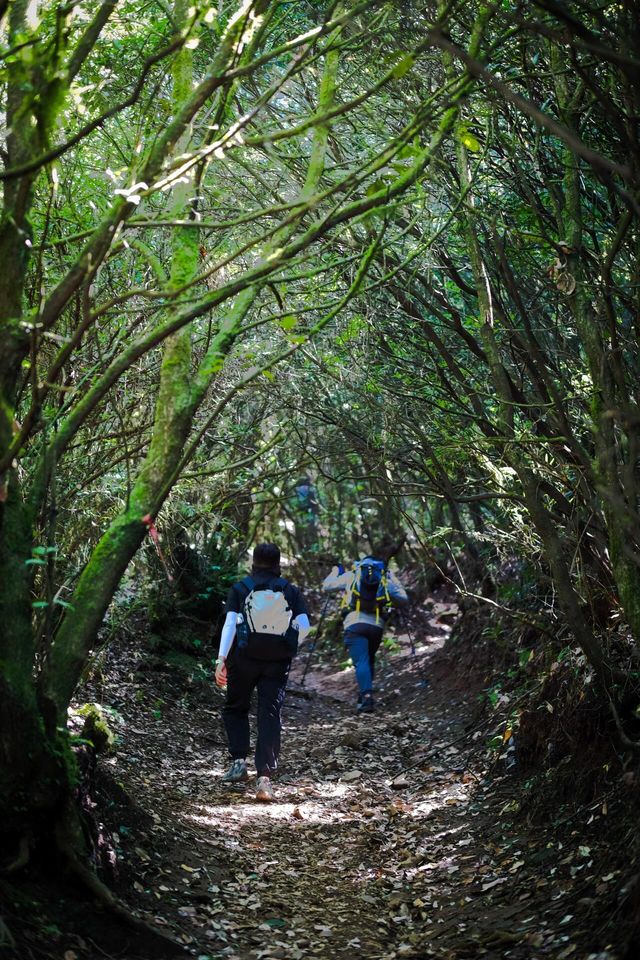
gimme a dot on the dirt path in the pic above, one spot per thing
(344, 864)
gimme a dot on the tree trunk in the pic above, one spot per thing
(35, 764)
(180, 395)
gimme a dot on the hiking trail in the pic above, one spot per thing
(345, 863)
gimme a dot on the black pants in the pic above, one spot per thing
(244, 674)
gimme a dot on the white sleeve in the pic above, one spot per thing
(302, 621)
(228, 634)
(337, 581)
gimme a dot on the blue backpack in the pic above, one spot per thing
(369, 590)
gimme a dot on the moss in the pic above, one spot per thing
(17, 642)
(625, 574)
(38, 769)
(187, 665)
(96, 729)
(66, 760)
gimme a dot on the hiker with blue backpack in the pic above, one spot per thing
(370, 589)
(266, 619)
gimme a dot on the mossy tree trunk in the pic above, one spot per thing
(37, 771)
(34, 763)
(180, 395)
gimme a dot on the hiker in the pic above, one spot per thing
(305, 509)
(369, 589)
(267, 618)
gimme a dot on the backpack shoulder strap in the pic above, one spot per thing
(247, 584)
(275, 583)
(279, 582)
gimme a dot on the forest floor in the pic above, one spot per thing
(347, 862)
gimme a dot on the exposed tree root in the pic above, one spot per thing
(22, 859)
(6, 937)
(108, 899)
(622, 736)
(71, 841)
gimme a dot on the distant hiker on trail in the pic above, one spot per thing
(305, 509)
(267, 618)
(370, 588)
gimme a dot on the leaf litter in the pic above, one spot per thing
(391, 835)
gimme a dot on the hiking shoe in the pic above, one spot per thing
(237, 772)
(264, 790)
(366, 703)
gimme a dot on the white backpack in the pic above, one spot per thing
(266, 631)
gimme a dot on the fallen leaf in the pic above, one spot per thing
(399, 783)
(493, 883)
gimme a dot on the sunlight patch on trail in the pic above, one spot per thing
(331, 803)
(237, 815)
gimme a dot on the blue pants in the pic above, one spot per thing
(362, 641)
(244, 674)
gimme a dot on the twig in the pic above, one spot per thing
(316, 639)
(22, 858)
(6, 937)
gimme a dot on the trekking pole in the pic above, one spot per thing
(313, 645)
(403, 620)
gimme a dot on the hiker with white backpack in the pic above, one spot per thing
(370, 589)
(265, 621)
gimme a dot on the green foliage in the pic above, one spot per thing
(233, 264)
(467, 139)
(391, 644)
(188, 666)
(96, 730)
